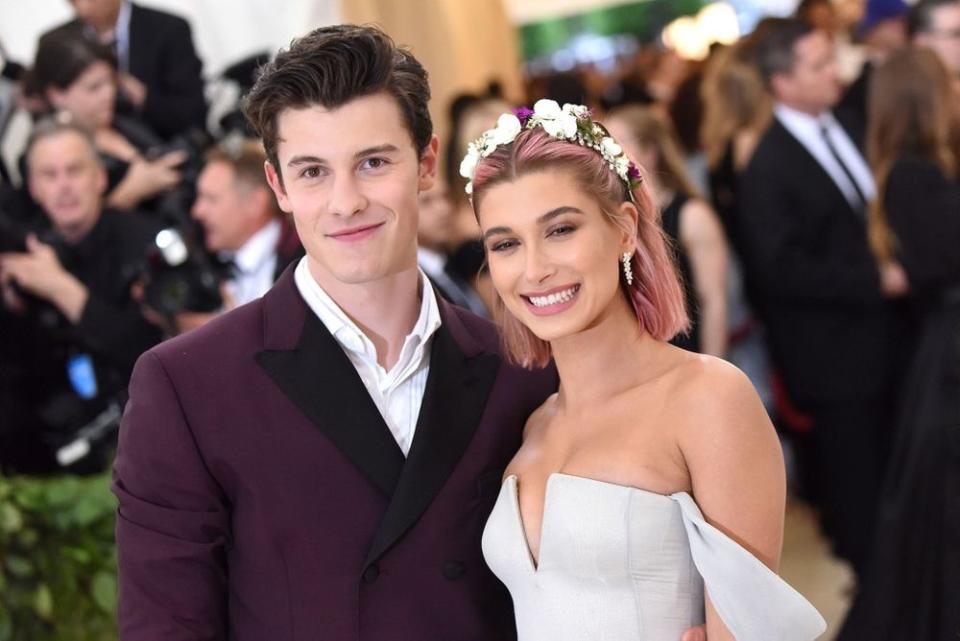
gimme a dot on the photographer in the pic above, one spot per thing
(242, 225)
(67, 299)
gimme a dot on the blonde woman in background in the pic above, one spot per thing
(689, 222)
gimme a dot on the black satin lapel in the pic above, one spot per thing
(453, 404)
(319, 378)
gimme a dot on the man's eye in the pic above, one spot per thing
(375, 163)
(310, 172)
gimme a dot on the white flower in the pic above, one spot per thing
(469, 163)
(622, 166)
(610, 148)
(564, 126)
(577, 111)
(547, 109)
(508, 126)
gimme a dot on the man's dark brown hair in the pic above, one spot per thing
(331, 66)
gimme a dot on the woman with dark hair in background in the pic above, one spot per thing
(688, 221)
(914, 128)
(76, 76)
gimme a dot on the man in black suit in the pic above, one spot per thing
(160, 73)
(802, 219)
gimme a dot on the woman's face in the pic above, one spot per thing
(554, 256)
(89, 99)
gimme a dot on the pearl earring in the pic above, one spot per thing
(627, 269)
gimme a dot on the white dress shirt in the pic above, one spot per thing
(806, 129)
(254, 264)
(397, 393)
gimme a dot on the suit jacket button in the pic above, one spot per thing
(371, 573)
(453, 570)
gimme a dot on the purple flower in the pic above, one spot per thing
(523, 114)
(633, 172)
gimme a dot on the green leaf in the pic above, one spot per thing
(6, 626)
(43, 602)
(11, 519)
(104, 590)
(19, 566)
(28, 537)
(79, 555)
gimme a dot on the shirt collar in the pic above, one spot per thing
(802, 124)
(430, 261)
(258, 248)
(346, 332)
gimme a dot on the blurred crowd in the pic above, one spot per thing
(807, 178)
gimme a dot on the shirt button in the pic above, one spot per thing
(371, 573)
(453, 570)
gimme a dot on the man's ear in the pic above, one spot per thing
(276, 185)
(780, 85)
(429, 160)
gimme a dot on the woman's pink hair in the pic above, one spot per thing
(656, 294)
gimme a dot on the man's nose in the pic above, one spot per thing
(347, 198)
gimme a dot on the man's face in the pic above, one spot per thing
(437, 219)
(944, 35)
(99, 14)
(351, 176)
(812, 85)
(67, 180)
(230, 211)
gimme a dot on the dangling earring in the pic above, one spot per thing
(627, 269)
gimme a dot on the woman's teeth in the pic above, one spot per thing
(553, 299)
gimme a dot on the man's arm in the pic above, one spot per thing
(173, 523)
(779, 258)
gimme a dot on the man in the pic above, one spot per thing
(241, 223)
(434, 235)
(802, 219)
(321, 463)
(79, 329)
(159, 71)
(936, 24)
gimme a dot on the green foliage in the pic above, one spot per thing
(642, 19)
(57, 559)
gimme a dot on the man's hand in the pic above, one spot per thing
(698, 633)
(893, 280)
(39, 272)
(133, 89)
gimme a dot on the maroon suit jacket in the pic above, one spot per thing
(263, 497)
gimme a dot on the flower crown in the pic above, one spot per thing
(571, 122)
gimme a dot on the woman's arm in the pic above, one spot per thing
(735, 463)
(701, 236)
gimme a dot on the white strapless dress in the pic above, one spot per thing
(618, 563)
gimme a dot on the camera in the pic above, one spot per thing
(179, 276)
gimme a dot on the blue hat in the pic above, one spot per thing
(879, 10)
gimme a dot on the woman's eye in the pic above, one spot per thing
(503, 245)
(561, 230)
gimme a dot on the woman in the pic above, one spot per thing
(691, 226)
(78, 77)
(596, 532)
(737, 110)
(912, 142)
